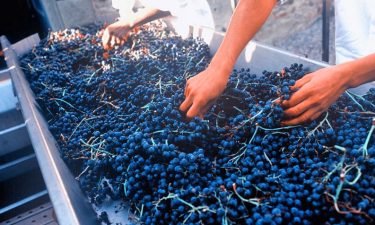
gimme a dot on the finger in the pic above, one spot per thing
(113, 41)
(105, 46)
(105, 40)
(303, 118)
(315, 116)
(299, 109)
(295, 99)
(117, 40)
(185, 105)
(278, 101)
(195, 110)
(299, 83)
(187, 90)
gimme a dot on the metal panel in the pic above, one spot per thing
(326, 14)
(67, 198)
(7, 99)
(42, 215)
(21, 203)
(19, 48)
(13, 139)
(10, 119)
(17, 167)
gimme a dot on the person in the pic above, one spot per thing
(183, 13)
(315, 92)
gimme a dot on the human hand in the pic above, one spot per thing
(116, 33)
(201, 92)
(315, 92)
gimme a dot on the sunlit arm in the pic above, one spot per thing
(202, 90)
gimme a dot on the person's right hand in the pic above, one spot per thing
(201, 92)
(115, 34)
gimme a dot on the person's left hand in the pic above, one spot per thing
(315, 92)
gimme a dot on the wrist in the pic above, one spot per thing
(129, 24)
(345, 75)
(359, 71)
(126, 24)
(221, 67)
(218, 76)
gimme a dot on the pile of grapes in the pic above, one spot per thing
(115, 117)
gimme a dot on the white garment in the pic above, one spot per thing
(194, 12)
(355, 29)
(355, 33)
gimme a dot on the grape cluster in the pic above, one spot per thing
(115, 117)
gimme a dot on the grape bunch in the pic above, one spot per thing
(115, 117)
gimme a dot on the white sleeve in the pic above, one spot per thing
(194, 12)
(175, 7)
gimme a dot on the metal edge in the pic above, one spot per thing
(255, 55)
(70, 204)
(23, 46)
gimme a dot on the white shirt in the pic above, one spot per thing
(355, 32)
(355, 29)
(184, 12)
(194, 12)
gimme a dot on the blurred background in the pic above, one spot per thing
(295, 26)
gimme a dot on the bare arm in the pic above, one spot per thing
(248, 18)
(117, 32)
(202, 90)
(317, 91)
(359, 71)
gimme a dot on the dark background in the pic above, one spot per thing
(19, 19)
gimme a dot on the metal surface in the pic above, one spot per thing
(9, 115)
(13, 138)
(67, 198)
(326, 13)
(7, 100)
(9, 119)
(18, 49)
(23, 201)
(17, 167)
(42, 215)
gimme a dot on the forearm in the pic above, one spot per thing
(246, 20)
(358, 71)
(146, 15)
